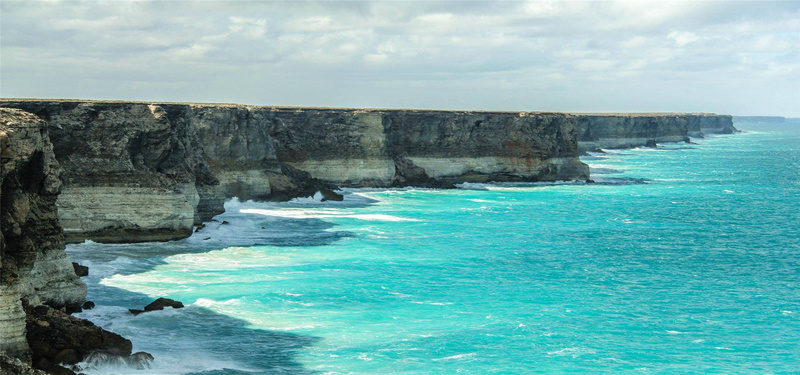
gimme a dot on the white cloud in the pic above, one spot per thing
(548, 55)
(682, 38)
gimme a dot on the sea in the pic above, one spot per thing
(679, 259)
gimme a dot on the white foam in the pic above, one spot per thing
(166, 364)
(482, 201)
(321, 214)
(432, 303)
(458, 357)
(572, 352)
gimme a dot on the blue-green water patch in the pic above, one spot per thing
(680, 259)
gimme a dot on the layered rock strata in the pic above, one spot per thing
(702, 124)
(35, 268)
(150, 171)
(613, 131)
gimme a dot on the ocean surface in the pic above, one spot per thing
(683, 258)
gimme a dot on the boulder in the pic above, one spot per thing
(158, 304)
(57, 338)
(80, 270)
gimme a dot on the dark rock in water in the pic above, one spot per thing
(651, 143)
(137, 361)
(590, 181)
(67, 356)
(206, 239)
(60, 370)
(55, 337)
(88, 305)
(330, 195)
(73, 308)
(80, 270)
(158, 304)
(140, 360)
(224, 222)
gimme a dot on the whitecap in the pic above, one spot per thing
(432, 303)
(457, 357)
(321, 214)
(573, 352)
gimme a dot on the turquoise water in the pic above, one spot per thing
(680, 259)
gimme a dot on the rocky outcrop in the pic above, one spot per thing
(702, 124)
(59, 339)
(131, 171)
(158, 304)
(456, 147)
(35, 267)
(150, 171)
(599, 131)
(14, 366)
(611, 131)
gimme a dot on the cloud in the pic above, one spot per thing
(514, 55)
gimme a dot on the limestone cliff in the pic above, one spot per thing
(599, 131)
(132, 171)
(702, 124)
(35, 267)
(149, 171)
(486, 146)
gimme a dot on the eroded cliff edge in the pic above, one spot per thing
(35, 267)
(150, 171)
(610, 131)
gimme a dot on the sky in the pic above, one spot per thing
(740, 58)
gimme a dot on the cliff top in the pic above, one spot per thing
(296, 108)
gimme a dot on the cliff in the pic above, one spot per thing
(35, 267)
(702, 124)
(150, 171)
(610, 131)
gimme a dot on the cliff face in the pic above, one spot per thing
(486, 146)
(148, 171)
(132, 171)
(702, 124)
(630, 130)
(598, 131)
(35, 267)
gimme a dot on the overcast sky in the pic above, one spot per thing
(738, 58)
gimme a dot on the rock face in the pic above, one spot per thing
(150, 171)
(610, 131)
(57, 338)
(702, 124)
(35, 267)
(456, 147)
(630, 130)
(13, 366)
(131, 171)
